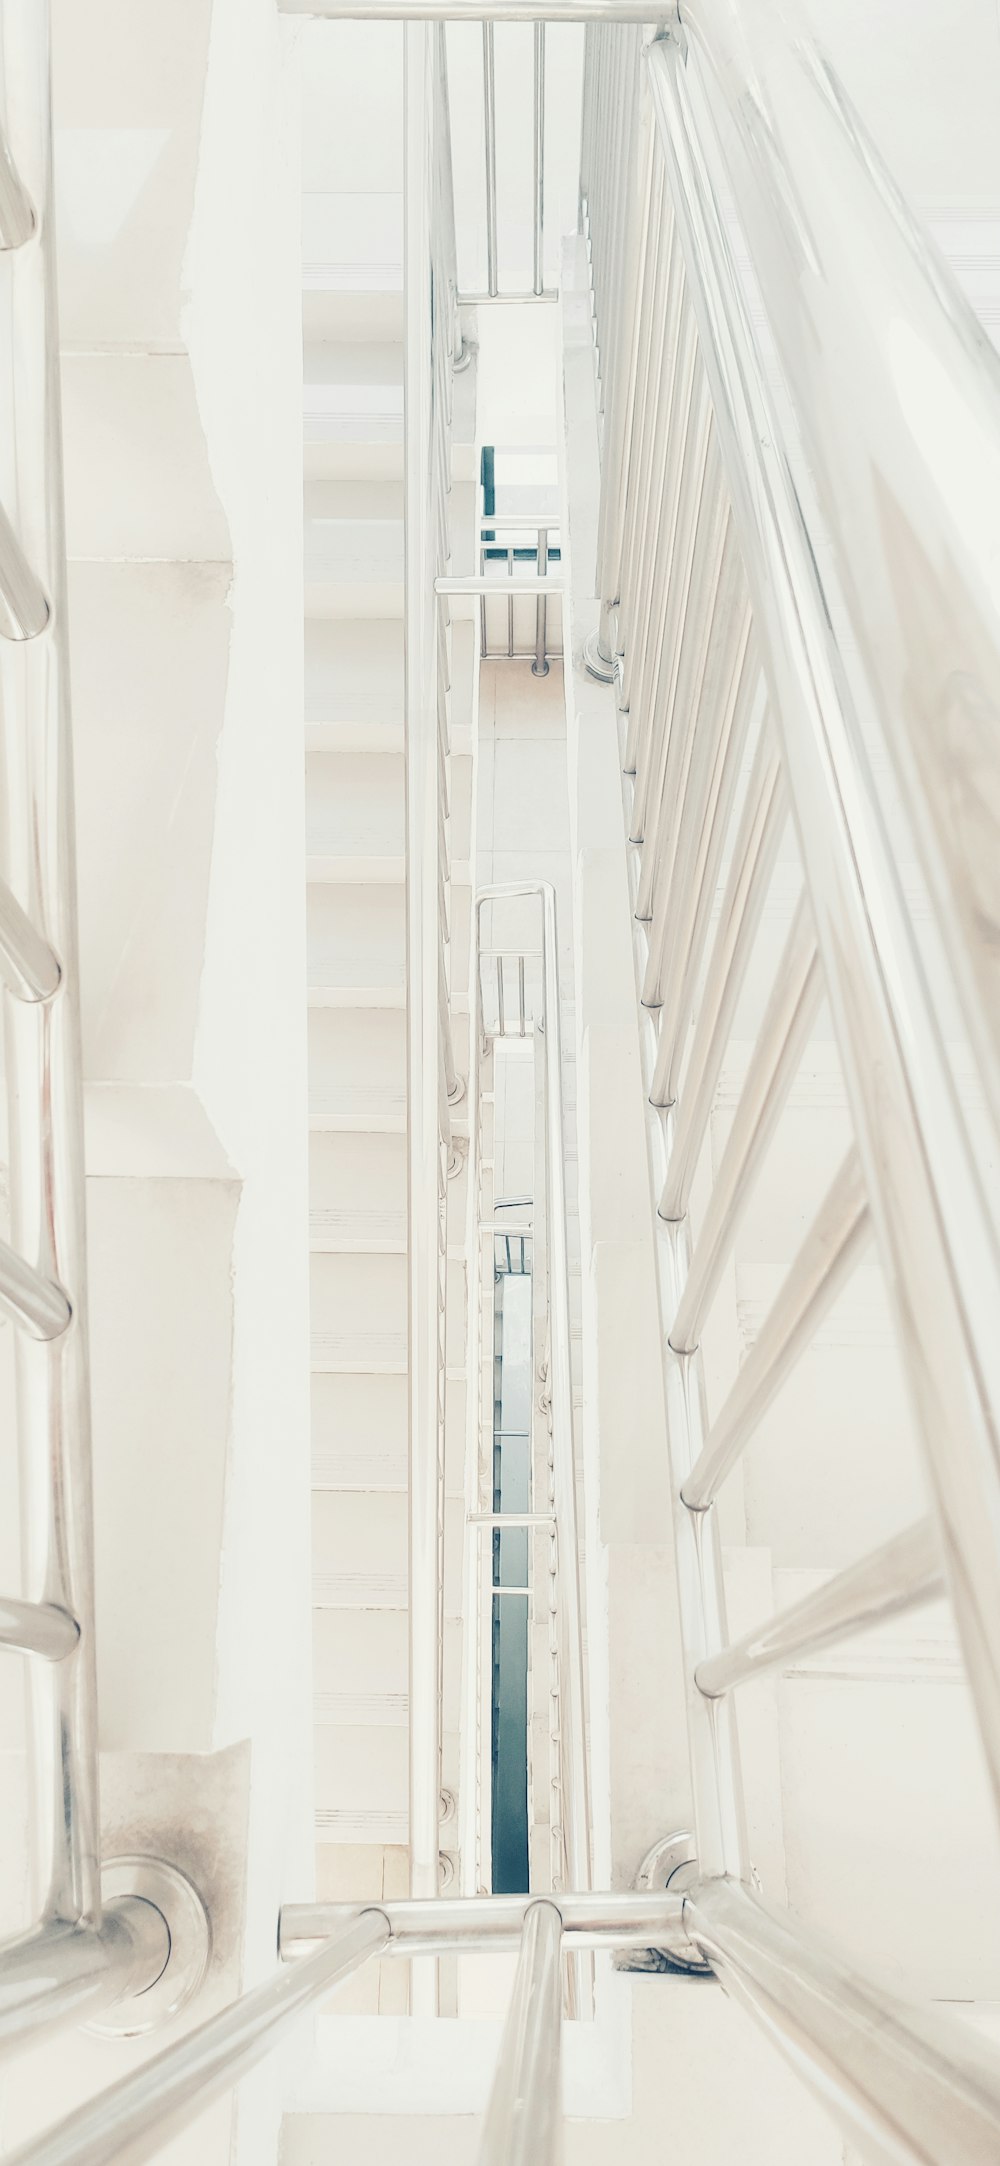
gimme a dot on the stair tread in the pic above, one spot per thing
(360, 1352)
(337, 1227)
(346, 869)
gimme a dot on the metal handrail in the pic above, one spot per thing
(493, 292)
(925, 2091)
(131, 2120)
(715, 518)
(78, 1957)
(552, 1254)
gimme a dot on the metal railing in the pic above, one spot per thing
(717, 627)
(433, 348)
(538, 291)
(493, 550)
(517, 998)
(81, 1954)
(728, 184)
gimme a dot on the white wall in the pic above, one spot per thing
(243, 327)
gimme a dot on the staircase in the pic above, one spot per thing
(246, 1053)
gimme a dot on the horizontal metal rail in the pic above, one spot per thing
(458, 11)
(919, 2084)
(502, 585)
(625, 1920)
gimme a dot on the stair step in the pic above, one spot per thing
(355, 871)
(358, 1109)
(352, 1465)
(353, 545)
(352, 242)
(333, 1589)
(361, 1767)
(336, 1231)
(359, 1431)
(362, 1710)
(357, 995)
(352, 408)
(354, 670)
(361, 1824)
(355, 946)
(358, 1353)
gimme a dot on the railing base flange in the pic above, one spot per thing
(670, 1864)
(595, 663)
(153, 1881)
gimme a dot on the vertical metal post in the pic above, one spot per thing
(422, 1017)
(524, 2114)
(489, 102)
(540, 667)
(539, 166)
(572, 1721)
(43, 1044)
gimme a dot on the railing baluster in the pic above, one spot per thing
(694, 582)
(746, 892)
(643, 649)
(678, 788)
(889, 1581)
(490, 117)
(524, 2116)
(37, 1628)
(644, 411)
(776, 1055)
(538, 264)
(48, 1295)
(821, 1268)
(676, 940)
(27, 964)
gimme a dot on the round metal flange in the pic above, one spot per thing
(670, 1864)
(594, 662)
(172, 1894)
